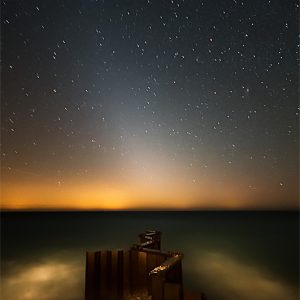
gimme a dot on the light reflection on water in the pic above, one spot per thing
(222, 276)
(258, 259)
(227, 278)
(51, 278)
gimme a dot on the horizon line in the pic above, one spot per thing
(267, 209)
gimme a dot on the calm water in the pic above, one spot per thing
(228, 255)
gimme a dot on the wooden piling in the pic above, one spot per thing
(112, 275)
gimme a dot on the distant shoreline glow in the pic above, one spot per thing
(105, 197)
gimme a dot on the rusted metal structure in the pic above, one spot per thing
(141, 270)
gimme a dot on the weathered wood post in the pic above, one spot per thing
(150, 239)
(113, 275)
(166, 279)
(104, 277)
(92, 275)
(157, 286)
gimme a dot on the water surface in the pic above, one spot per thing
(227, 255)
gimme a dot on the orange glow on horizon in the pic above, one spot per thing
(102, 196)
(47, 196)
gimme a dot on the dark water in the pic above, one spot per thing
(228, 255)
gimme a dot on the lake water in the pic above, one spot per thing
(227, 255)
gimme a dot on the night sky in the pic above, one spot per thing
(149, 104)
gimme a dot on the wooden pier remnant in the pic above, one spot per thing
(141, 270)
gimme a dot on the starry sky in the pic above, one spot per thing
(149, 104)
